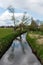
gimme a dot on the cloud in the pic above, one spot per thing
(5, 18)
(7, 15)
(34, 5)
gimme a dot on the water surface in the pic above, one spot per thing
(17, 57)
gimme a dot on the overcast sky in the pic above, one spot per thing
(33, 7)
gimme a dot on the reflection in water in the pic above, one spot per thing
(22, 45)
(11, 55)
(14, 55)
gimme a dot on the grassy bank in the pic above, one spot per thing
(5, 31)
(6, 38)
(35, 40)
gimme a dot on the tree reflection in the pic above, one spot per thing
(21, 43)
(11, 55)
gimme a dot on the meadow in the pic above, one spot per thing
(7, 35)
(5, 31)
(35, 40)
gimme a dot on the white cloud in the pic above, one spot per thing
(5, 18)
(34, 5)
(7, 15)
(2, 23)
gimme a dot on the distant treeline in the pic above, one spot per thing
(6, 26)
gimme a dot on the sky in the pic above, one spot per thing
(33, 7)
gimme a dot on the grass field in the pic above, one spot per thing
(5, 31)
(35, 40)
(7, 35)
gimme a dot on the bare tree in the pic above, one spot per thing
(12, 10)
(24, 21)
(25, 18)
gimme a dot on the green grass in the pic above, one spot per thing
(37, 47)
(5, 31)
(37, 32)
(7, 35)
